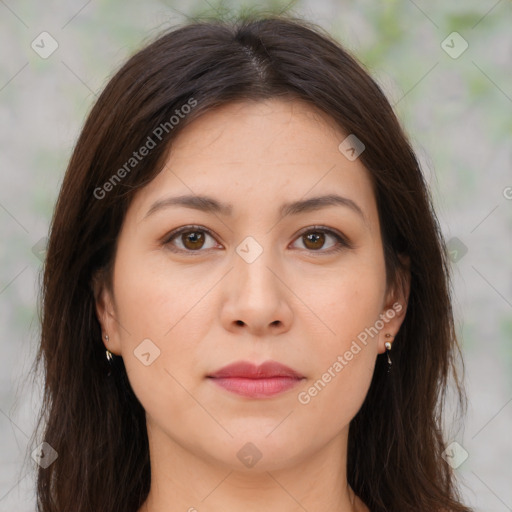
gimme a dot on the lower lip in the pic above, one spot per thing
(257, 388)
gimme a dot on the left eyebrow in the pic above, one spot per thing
(316, 203)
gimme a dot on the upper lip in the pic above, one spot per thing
(247, 370)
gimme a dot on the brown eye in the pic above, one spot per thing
(192, 239)
(189, 239)
(314, 240)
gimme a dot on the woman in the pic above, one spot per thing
(246, 294)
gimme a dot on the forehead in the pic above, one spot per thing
(257, 155)
(272, 131)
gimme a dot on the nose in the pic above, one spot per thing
(257, 297)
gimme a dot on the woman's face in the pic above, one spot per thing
(259, 275)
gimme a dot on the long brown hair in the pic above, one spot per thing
(94, 421)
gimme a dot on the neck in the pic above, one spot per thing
(183, 480)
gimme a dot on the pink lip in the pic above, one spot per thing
(247, 379)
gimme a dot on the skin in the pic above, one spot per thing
(296, 303)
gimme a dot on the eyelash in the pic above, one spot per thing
(342, 242)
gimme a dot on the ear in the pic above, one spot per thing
(397, 299)
(106, 312)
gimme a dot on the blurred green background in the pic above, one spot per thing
(453, 93)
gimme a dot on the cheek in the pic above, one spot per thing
(332, 400)
(170, 311)
(342, 364)
(347, 300)
(153, 301)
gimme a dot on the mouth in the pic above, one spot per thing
(249, 380)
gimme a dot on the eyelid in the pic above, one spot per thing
(166, 240)
(343, 241)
